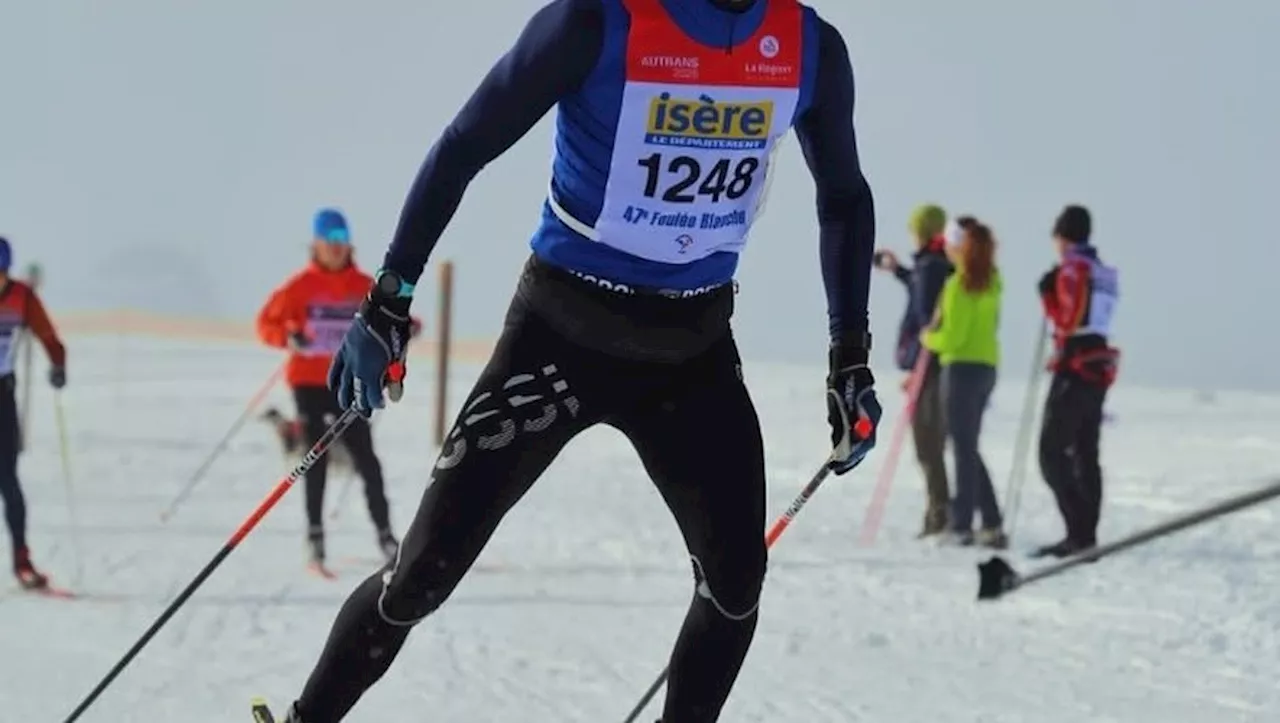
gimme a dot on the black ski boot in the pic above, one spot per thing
(262, 713)
(28, 576)
(315, 548)
(1063, 548)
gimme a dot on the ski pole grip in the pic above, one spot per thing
(395, 380)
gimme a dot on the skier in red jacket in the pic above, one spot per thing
(1079, 297)
(20, 309)
(308, 315)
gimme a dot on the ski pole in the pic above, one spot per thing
(217, 450)
(313, 455)
(346, 486)
(1022, 444)
(61, 420)
(774, 533)
(880, 494)
(997, 578)
(23, 346)
(24, 415)
(341, 502)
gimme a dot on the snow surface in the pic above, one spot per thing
(570, 612)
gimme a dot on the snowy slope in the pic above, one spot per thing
(570, 612)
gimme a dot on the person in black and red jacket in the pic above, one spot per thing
(924, 280)
(1079, 296)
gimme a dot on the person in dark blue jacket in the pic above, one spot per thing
(924, 280)
(668, 116)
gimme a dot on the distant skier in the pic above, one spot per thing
(309, 315)
(924, 280)
(20, 309)
(1079, 296)
(669, 114)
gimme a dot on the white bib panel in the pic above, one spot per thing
(690, 167)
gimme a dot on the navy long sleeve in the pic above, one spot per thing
(552, 57)
(931, 275)
(846, 210)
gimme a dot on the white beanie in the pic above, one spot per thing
(953, 234)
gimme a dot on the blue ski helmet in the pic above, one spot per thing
(6, 255)
(330, 225)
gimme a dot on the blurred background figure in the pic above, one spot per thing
(309, 315)
(965, 338)
(20, 309)
(1079, 297)
(924, 279)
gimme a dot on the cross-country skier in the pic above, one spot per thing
(309, 315)
(669, 112)
(20, 309)
(1079, 297)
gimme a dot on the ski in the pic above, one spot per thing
(321, 570)
(55, 592)
(261, 711)
(48, 590)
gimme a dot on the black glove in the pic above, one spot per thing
(58, 377)
(372, 354)
(298, 341)
(853, 411)
(1048, 282)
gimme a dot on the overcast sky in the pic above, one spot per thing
(168, 155)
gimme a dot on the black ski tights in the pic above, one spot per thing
(1069, 439)
(15, 506)
(696, 432)
(318, 408)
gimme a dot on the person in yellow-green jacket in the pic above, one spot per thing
(965, 337)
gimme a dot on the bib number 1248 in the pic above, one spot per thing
(725, 179)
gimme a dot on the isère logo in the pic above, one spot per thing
(704, 123)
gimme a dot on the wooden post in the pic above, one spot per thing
(28, 342)
(443, 334)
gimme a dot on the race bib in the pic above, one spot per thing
(1103, 299)
(10, 329)
(696, 133)
(327, 326)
